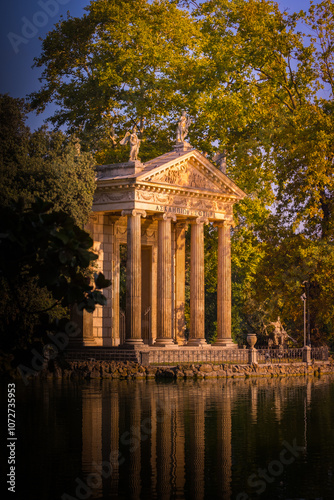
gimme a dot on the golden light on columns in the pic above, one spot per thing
(164, 301)
(224, 288)
(197, 293)
(133, 277)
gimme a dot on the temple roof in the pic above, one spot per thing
(165, 158)
(183, 177)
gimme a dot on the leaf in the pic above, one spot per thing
(101, 281)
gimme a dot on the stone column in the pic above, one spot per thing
(115, 273)
(224, 294)
(164, 303)
(197, 301)
(180, 279)
(133, 278)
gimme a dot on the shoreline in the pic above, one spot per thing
(117, 370)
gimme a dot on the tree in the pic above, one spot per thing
(42, 250)
(266, 80)
(44, 256)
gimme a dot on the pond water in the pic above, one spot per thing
(225, 439)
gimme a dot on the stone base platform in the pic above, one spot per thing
(157, 355)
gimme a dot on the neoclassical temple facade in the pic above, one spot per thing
(148, 207)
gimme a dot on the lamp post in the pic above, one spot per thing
(307, 299)
(303, 297)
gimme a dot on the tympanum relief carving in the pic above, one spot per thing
(186, 176)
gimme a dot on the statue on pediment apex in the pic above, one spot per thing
(183, 127)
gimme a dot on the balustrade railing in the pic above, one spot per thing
(188, 355)
(319, 353)
(290, 355)
(280, 355)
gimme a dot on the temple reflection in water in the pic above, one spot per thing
(163, 440)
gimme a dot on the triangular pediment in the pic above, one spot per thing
(190, 171)
(186, 176)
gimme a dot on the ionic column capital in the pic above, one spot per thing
(134, 211)
(165, 216)
(223, 223)
(199, 221)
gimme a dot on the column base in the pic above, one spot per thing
(164, 343)
(197, 343)
(228, 343)
(133, 344)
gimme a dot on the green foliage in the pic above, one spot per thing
(48, 251)
(43, 164)
(47, 189)
(298, 260)
(114, 66)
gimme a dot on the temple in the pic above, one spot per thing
(147, 207)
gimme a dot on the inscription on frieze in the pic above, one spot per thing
(184, 201)
(184, 211)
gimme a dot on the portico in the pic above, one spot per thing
(148, 207)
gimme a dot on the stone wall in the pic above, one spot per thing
(90, 369)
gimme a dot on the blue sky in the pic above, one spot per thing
(22, 22)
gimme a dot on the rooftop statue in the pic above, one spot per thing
(182, 127)
(134, 143)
